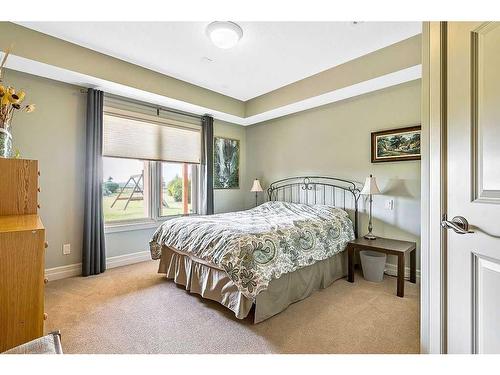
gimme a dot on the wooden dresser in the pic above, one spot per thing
(22, 254)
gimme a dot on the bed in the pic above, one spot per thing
(267, 257)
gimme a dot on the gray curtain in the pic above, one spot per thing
(94, 254)
(207, 166)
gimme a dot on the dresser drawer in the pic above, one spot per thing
(18, 186)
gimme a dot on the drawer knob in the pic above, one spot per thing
(39, 173)
(38, 189)
(45, 281)
(38, 206)
(46, 244)
(45, 316)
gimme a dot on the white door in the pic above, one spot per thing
(473, 186)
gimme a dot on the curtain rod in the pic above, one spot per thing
(157, 107)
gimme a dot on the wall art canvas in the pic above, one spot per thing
(396, 144)
(226, 163)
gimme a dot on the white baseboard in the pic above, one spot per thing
(392, 269)
(124, 260)
(75, 269)
(63, 272)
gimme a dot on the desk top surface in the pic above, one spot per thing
(388, 244)
(19, 223)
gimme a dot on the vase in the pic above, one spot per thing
(5, 144)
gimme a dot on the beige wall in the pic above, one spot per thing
(55, 135)
(334, 140)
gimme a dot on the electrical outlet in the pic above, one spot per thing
(389, 204)
(66, 249)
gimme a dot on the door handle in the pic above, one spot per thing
(459, 224)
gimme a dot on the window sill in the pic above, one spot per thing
(138, 225)
(127, 227)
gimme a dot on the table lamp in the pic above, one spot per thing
(370, 188)
(256, 188)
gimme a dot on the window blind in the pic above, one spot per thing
(135, 138)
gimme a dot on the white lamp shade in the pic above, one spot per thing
(256, 186)
(370, 186)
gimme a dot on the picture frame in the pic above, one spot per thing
(226, 163)
(399, 144)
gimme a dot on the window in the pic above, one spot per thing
(126, 196)
(178, 192)
(150, 167)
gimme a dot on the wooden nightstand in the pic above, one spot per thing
(387, 246)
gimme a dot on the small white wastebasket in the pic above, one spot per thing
(373, 264)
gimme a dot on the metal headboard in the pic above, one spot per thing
(318, 190)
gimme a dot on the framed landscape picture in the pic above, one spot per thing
(396, 144)
(226, 163)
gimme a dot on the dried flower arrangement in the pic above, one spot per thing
(10, 101)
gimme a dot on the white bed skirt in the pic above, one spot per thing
(213, 283)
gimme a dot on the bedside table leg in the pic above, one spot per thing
(401, 275)
(350, 264)
(413, 266)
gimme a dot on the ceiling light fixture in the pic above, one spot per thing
(224, 34)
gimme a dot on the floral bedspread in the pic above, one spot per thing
(260, 244)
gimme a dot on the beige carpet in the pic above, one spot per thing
(133, 309)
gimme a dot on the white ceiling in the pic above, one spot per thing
(270, 54)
